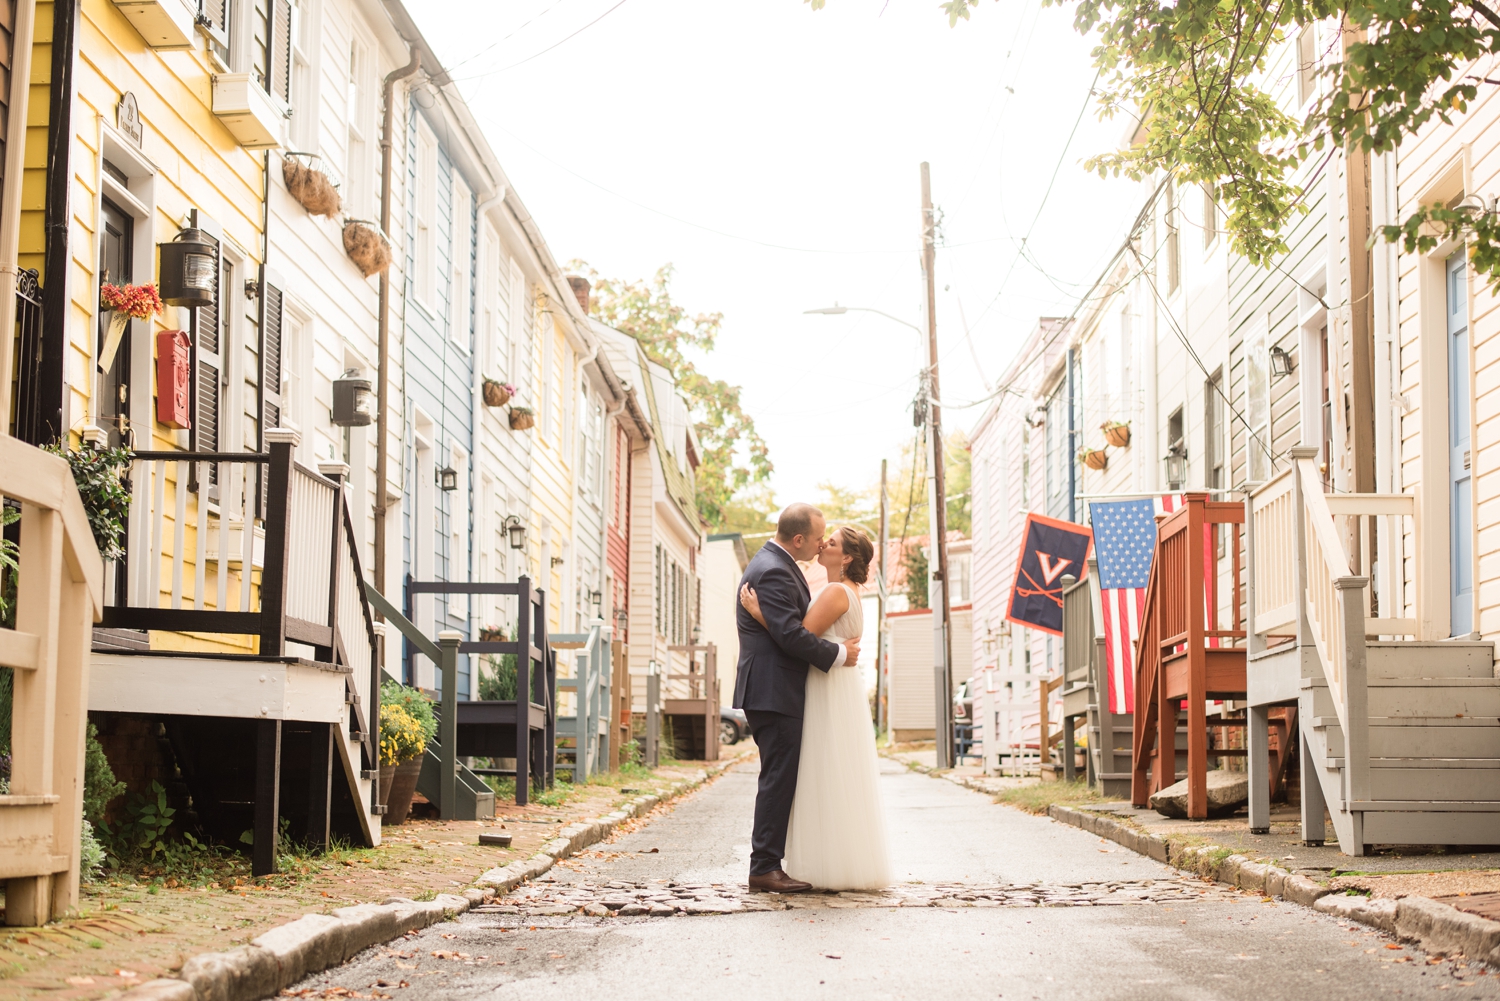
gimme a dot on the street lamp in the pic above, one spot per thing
(837, 310)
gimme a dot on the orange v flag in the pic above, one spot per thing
(1050, 550)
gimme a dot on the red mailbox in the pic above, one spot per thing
(174, 370)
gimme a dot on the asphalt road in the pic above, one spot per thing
(1210, 943)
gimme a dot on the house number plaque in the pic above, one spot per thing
(128, 118)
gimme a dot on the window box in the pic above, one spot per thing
(164, 24)
(249, 113)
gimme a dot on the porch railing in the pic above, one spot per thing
(583, 698)
(251, 553)
(58, 599)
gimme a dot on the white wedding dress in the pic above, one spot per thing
(837, 840)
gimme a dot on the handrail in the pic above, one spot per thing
(402, 623)
(1327, 564)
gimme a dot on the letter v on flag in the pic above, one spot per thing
(1050, 550)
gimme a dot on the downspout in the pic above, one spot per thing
(10, 199)
(59, 185)
(383, 349)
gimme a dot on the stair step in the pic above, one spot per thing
(1417, 659)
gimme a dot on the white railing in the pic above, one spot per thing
(59, 597)
(1273, 555)
(187, 544)
(311, 524)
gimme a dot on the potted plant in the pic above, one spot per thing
(497, 393)
(1094, 458)
(310, 186)
(126, 303)
(522, 418)
(366, 247)
(407, 723)
(1116, 433)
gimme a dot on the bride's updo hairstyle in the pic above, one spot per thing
(856, 544)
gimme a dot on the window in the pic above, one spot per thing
(591, 447)
(303, 83)
(1307, 64)
(659, 592)
(549, 367)
(1172, 252)
(425, 263)
(1026, 465)
(1210, 215)
(216, 16)
(494, 320)
(461, 309)
(458, 532)
(1213, 431)
(359, 113)
(1258, 401)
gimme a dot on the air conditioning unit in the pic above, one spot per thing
(251, 116)
(164, 24)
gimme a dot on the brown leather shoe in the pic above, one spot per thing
(778, 882)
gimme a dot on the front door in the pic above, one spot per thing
(114, 382)
(1460, 508)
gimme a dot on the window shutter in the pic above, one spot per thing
(216, 14)
(272, 315)
(207, 327)
(279, 33)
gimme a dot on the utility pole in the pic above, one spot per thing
(937, 581)
(880, 595)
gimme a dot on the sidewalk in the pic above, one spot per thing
(128, 934)
(1392, 871)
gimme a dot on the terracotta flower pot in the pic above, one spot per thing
(495, 394)
(1117, 435)
(403, 785)
(521, 420)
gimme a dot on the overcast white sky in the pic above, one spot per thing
(771, 153)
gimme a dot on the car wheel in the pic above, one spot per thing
(728, 732)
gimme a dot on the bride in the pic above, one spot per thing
(837, 838)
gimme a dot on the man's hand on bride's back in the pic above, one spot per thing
(851, 655)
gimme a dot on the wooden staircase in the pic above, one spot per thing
(1401, 733)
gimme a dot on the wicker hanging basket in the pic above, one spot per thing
(1115, 433)
(522, 418)
(311, 187)
(1094, 458)
(496, 394)
(366, 247)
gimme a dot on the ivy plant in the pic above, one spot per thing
(105, 491)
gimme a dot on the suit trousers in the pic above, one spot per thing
(779, 738)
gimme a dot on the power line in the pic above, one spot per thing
(535, 55)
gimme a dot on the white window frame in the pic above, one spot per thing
(424, 265)
(461, 260)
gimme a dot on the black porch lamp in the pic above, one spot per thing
(447, 479)
(187, 269)
(516, 530)
(353, 403)
(1281, 362)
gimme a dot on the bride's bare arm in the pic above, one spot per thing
(825, 611)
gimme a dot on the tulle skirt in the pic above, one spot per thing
(837, 838)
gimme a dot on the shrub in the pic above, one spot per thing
(99, 785)
(407, 723)
(497, 674)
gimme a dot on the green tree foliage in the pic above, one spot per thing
(906, 486)
(734, 455)
(914, 562)
(1196, 67)
(751, 512)
(846, 506)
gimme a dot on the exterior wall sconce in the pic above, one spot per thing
(1281, 362)
(697, 633)
(596, 598)
(516, 530)
(1176, 459)
(622, 620)
(353, 403)
(187, 269)
(447, 478)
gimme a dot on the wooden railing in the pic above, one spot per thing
(583, 697)
(1273, 557)
(59, 597)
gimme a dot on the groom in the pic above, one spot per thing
(772, 677)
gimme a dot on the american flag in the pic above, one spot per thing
(1124, 542)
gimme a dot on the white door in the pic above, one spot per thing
(1461, 525)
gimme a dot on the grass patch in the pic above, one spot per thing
(1036, 798)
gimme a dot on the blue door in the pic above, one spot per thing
(1460, 513)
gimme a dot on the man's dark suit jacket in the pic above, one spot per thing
(772, 673)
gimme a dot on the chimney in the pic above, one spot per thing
(580, 286)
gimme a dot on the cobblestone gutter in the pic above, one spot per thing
(314, 942)
(1437, 927)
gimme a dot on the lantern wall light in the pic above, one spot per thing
(1281, 362)
(516, 530)
(447, 478)
(187, 269)
(353, 402)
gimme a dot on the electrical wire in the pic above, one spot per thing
(537, 55)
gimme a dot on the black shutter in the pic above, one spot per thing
(279, 44)
(207, 325)
(269, 393)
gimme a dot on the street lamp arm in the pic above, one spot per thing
(837, 310)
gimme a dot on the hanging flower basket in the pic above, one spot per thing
(522, 418)
(126, 303)
(366, 247)
(311, 187)
(497, 394)
(1116, 433)
(1094, 458)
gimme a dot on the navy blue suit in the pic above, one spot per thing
(770, 685)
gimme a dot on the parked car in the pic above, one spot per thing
(733, 726)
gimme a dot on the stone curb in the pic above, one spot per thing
(314, 942)
(1436, 927)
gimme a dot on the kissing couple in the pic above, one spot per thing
(818, 805)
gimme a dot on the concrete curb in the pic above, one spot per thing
(1436, 927)
(314, 942)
